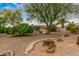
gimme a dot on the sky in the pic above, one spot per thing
(9, 5)
(15, 6)
(24, 15)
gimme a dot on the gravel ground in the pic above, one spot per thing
(66, 48)
(19, 44)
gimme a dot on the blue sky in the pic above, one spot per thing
(9, 5)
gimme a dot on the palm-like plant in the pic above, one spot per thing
(62, 21)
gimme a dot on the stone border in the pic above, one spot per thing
(7, 53)
(31, 46)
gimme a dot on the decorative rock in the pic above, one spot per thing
(7, 53)
(60, 39)
(52, 50)
(66, 35)
(78, 40)
(50, 44)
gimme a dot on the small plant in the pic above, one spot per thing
(50, 44)
(72, 27)
(53, 28)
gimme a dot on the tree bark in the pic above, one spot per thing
(62, 25)
(48, 30)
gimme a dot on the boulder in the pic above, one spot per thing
(51, 46)
(67, 34)
(78, 40)
(61, 39)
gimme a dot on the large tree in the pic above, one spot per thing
(48, 13)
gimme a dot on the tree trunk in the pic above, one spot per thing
(62, 25)
(48, 30)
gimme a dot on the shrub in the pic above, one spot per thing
(20, 29)
(53, 28)
(9, 30)
(2, 29)
(72, 27)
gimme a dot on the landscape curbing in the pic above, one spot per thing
(7, 53)
(30, 47)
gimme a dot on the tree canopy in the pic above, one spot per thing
(11, 17)
(48, 13)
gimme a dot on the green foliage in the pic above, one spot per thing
(53, 28)
(11, 17)
(2, 20)
(62, 21)
(20, 29)
(9, 30)
(2, 29)
(72, 27)
(48, 13)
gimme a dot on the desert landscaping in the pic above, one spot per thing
(19, 45)
(66, 48)
(39, 29)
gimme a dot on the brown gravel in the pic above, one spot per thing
(66, 48)
(19, 44)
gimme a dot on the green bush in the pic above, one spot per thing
(20, 29)
(2, 29)
(53, 28)
(72, 27)
(9, 30)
